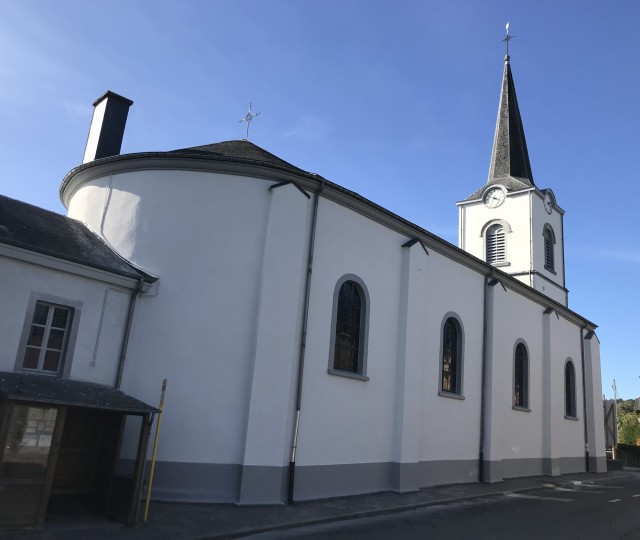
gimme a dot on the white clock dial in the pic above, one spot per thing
(494, 198)
(547, 203)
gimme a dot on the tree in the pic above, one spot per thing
(628, 423)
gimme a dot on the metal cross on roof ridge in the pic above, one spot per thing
(247, 118)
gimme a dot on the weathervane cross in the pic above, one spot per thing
(508, 38)
(247, 118)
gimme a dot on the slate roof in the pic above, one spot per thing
(239, 151)
(17, 386)
(36, 229)
(509, 166)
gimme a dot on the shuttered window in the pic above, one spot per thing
(548, 249)
(496, 245)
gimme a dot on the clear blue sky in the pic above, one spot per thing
(394, 100)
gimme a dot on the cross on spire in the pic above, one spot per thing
(247, 118)
(507, 39)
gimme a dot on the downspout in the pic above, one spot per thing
(485, 341)
(584, 402)
(303, 343)
(127, 332)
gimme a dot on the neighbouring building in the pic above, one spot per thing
(315, 343)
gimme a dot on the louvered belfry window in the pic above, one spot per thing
(548, 250)
(496, 248)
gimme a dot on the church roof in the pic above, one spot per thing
(242, 151)
(509, 166)
(36, 229)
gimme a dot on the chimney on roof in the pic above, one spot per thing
(107, 126)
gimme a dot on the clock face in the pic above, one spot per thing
(547, 203)
(494, 198)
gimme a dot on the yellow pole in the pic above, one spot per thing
(155, 449)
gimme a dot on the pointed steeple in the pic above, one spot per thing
(509, 157)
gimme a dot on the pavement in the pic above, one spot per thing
(182, 521)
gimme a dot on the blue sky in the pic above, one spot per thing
(394, 100)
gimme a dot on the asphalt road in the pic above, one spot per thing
(606, 510)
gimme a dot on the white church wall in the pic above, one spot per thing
(333, 405)
(452, 290)
(223, 326)
(595, 418)
(514, 215)
(95, 336)
(567, 434)
(514, 439)
(193, 328)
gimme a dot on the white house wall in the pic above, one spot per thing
(100, 311)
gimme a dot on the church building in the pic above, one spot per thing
(315, 343)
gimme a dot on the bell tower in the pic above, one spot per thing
(509, 222)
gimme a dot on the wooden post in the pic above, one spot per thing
(155, 448)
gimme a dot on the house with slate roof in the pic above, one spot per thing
(315, 343)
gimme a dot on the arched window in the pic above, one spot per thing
(569, 390)
(349, 328)
(495, 242)
(521, 377)
(549, 241)
(451, 380)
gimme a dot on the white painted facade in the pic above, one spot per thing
(224, 326)
(99, 300)
(524, 219)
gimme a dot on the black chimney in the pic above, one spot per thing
(107, 126)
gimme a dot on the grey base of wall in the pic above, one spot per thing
(216, 483)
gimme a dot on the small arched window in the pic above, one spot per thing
(521, 377)
(496, 251)
(569, 390)
(348, 353)
(451, 357)
(549, 242)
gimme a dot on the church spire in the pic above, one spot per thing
(509, 157)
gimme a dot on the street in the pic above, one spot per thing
(602, 510)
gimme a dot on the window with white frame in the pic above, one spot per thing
(48, 336)
(495, 241)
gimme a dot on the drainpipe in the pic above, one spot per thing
(584, 402)
(485, 344)
(127, 332)
(303, 343)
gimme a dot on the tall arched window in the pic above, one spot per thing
(451, 357)
(496, 251)
(569, 390)
(549, 241)
(521, 377)
(348, 352)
